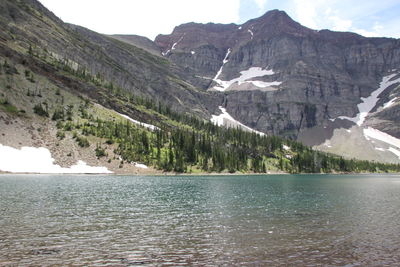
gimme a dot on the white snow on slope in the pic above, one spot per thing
(174, 45)
(166, 53)
(368, 103)
(394, 151)
(140, 165)
(252, 33)
(39, 160)
(145, 125)
(225, 119)
(222, 66)
(245, 75)
(393, 142)
(192, 52)
(390, 103)
(381, 136)
(262, 84)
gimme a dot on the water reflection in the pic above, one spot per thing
(256, 220)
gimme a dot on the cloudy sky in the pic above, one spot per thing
(151, 17)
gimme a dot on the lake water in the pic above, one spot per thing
(276, 220)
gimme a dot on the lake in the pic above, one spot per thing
(274, 220)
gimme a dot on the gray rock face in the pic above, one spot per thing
(321, 74)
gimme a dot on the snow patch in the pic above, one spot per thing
(145, 125)
(39, 160)
(226, 118)
(263, 84)
(252, 33)
(180, 39)
(192, 52)
(173, 46)
(240, 28)
(245, 75)
(368, 103)
(166, 53)
(224, 61)
(142, 166)
(381, 136)
(390, 103)
(285, 147)
(394, 151)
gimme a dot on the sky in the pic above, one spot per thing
(149, 18)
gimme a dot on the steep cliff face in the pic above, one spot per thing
(279, 76)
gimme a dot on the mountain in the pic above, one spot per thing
(73, 98)
(29, 25)
(281, 78)
(50, 69)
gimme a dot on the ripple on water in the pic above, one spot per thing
(197, 221)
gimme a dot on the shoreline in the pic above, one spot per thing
(170, 174)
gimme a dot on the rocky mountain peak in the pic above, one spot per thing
(275, 15)
(189, 36)
(276, 22)
(192, 34)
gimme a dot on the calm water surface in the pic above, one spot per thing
(281, 220)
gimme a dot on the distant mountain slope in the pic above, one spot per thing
(139, 41)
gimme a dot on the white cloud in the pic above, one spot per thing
(377, 26)
(147, 18)
(261, 4)
(362, 17)
(306, 13)
(365, 32)
(340, 24)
